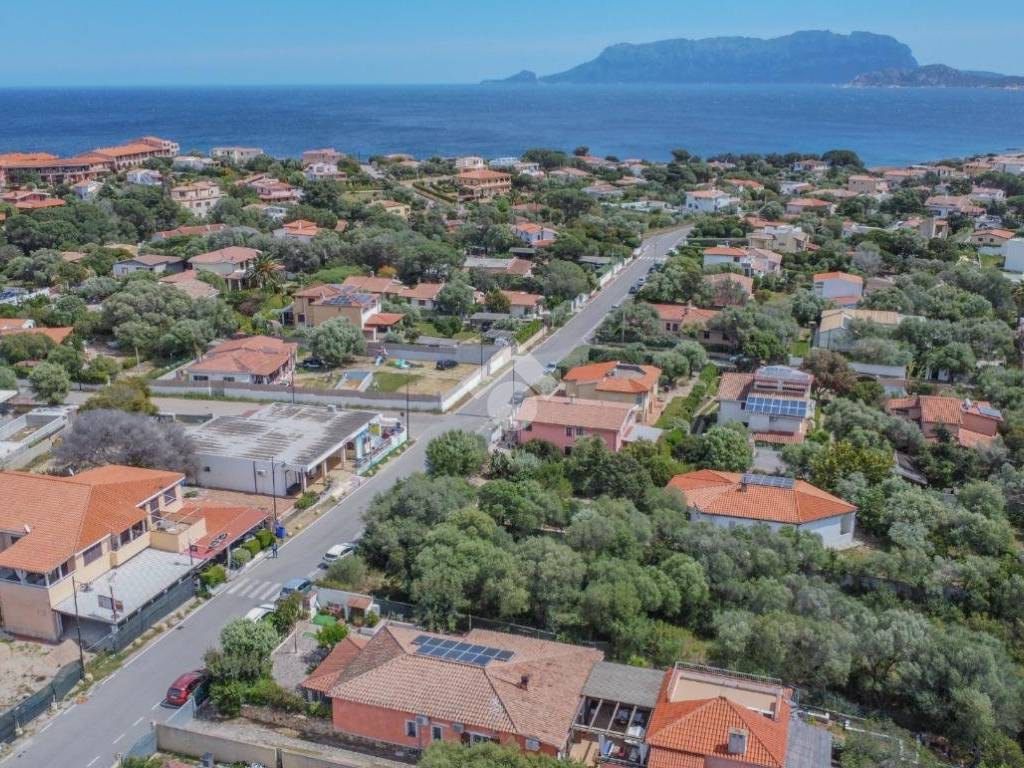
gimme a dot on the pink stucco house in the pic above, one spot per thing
(564, 420)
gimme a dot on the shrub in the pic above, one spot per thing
(331, 635)
(264, 537)
(228, 697)
(306, 500)
(318, 709)
(240, 556)
(288, 612)
(266, 692)
(213, 576)
(347, 573)
(254, 547)
(528, 330)
(371, 619)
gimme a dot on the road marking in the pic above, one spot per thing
(155, 706)
(45, 727)
(92, 761)
(117, 739)
(313, 574)
(136, 722)
(273, 589)
(236, 586)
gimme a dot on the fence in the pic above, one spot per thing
(143, 619)
(31, 707)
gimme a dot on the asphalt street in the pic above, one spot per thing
(119, 710)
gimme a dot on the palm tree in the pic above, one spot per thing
(264, 273)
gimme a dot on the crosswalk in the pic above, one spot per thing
(253, 589)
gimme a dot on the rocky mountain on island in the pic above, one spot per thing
(801, 57)
(935, 76)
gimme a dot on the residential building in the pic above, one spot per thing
(524, 305)
(495, 266)
(236, 155)
(281, 448)
(943, 206)
(188, 282)
(144, 177)
(748, 185)
(990, 241)
(87, 190)
(755, 262)
(710, 201)
(231, 263)
(52, 169)
(192, 163)
(322, 172)
(928, 227)
(56, 530)
(866, 185)
(534, 235)
(482, 184)
(810, 166)
(302, 230)
(1013, 254)
(317, 304)
(729, 289)
(774, 402)
(199, 198)
(787, 188)
(801, 205)
(12, 326)
(602, 189)
(1008, 164)
(401, 687)
(970, 423)
(689, 322)
(156, 263)
(326, 155)
(564, 420)
(135, 153)
(388, 287)
(841, 287)
(274, 191)
(615, 382)
(833, 331)
(782, 238)
(729, 499)
(982, 195)
(194, 231)
(422, 295)
(470, 163)
(249, 360)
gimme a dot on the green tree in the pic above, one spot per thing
(50, 383)
(565, 280)
(129, 394)
(496, 301)
(336, 341)
(347, 573)
(830, 370)
(456, 298)
(842, 459)
(456, 453)
(329, 636)
(244, 653)
(8, 380)
(520, 507)
(725, 447)
(264, 273)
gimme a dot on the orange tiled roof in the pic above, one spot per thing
(725, 250)
(323, 678)
(733, 386)
(522, 298)
(821, 276)
(607, 380)
(684, 314)
(56, 335)
(723, 493)
(576, 412)
(63, 515)
(302, 227)
(233, 254)
(384, 319)
(371, 284)
(257, 355)
(387, 673)
(422, 291)
(483, 174)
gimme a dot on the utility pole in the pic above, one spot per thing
(408, 416)
(78, 624)
(273, 486)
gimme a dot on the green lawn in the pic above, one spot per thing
(427, 328)
(800, 347)
(336, 274)
(391, 381)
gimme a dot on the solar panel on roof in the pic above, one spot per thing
(448, 643)
(988, 410)
(420, 639)
(504, 655)
(768, 481)
(776, 406)
(462, 652)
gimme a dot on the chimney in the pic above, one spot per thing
(524, 682)
(737, 741)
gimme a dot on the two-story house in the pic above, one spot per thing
(615, 382)
(231, 263)
(774, 402)
(199, 198)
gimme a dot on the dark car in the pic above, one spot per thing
(633, 289)
(313, 364)
(446, 365)
(185, 686)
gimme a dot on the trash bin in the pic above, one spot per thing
(279, 531)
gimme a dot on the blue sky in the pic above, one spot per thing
(116, 42)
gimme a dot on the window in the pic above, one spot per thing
(92, 553)
(436, 733)
(568, 431)
(846, 524)
(479, 738)
(200, 377)
(707, 335)
(580, 431)
(410, 729)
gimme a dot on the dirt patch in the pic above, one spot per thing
(236, 499)
(25, 667)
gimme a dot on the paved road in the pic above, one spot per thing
(118, 711)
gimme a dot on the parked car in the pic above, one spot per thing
(185, 686)
(550, 368)
(337, 552)
(260, 612)
(313, 364)
(294, 585)
(446, 365)
(633, 289)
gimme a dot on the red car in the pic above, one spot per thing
(184, 687)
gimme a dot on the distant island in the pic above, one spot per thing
(861, 59)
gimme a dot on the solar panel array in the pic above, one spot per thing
(987, 410)
(769, 481)
(783, 372)
(453, 650)
(775, 406)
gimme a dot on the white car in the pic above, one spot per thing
(337, 552)
(260, 612)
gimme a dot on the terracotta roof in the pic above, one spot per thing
(422, 291)
(56, 335)
(63, 515)
(723, 493)
(707, 194)
(388, 673)
(614, 376)
(821, 276)
(204, 229)
(1002, 234)
(576, 412)
(302, 228)
(747, 283)
(725, 250)
(125, 150)
(733, 386)
(371, 284)
(320, 291)
(154, 259)
(256, 355)
(483, 174)
(684, 314)
(190, 284)
(522, 298)
(31, 205)
(323, 678)
(9, 324)
(233, 254)
(384, 319)
(224, 525)
(809, 202)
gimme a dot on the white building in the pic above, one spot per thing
(199, 198)
(469, 163)
(841, 287)
(192, 163)
(87, 190)
(144, 177)
(710, 201)
(1013, 255)
(774, 402)
(729, 499)
(236, 155)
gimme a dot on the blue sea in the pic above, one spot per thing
(886, 126)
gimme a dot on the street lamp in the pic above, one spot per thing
(78, 624)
